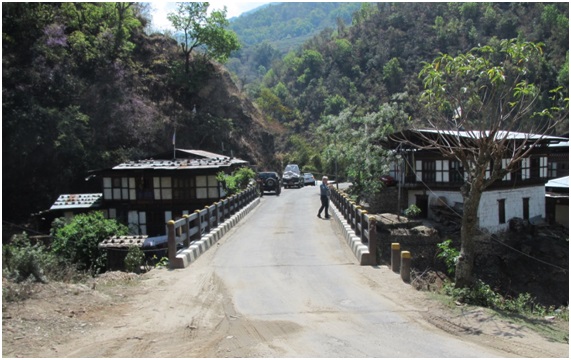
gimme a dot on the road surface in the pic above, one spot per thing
(282, 283)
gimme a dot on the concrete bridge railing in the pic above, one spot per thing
(359, 227)
(196, 233)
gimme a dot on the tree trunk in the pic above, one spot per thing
(186, 62)
(465, 263)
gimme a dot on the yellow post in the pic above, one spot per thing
(405, 266)
(171, 242)
(395, 257)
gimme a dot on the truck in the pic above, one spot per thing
(292, 176)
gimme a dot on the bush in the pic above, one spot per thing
(481, 294)
(237, 181)
(412, 211)
(21, 259)
(134, 260)
(78, 241)
(449, 255)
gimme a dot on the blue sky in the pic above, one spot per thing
(235, 8)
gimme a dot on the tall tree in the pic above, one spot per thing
(351, 144)
(477, 100)
(200, 29)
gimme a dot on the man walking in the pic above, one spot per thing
(325, 193)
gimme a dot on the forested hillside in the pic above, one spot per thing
(84, 87)
(374, 62)
(277, 28)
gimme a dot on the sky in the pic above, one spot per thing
(234, 8)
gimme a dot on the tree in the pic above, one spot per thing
(78, 241)
(200, 29)
(476, 102)
(351, 143)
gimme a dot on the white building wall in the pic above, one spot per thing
(488, 212)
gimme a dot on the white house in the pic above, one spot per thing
(557, 201)
(429, 180)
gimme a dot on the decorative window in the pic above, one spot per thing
(207, 187)
(553, 170)
(543, 167)
(163, 188)
(145, 188)
(488, 171)
(184, 188)
(137, 222)
(442, 171)
(418, 168)
(429, 171)
(456, 172)
(525, 168)
(119, 188)
(505, 163)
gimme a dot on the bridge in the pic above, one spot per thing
(198, 232)
(268, 278)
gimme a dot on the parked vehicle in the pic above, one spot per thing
(292, 176)
(308, 179)
(270, 181)
(388, 180)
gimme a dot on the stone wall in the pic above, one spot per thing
(412, 235)
(386, 202)
(532, 259)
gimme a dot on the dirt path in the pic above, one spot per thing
(126, 315)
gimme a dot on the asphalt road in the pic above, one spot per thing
(285, 266)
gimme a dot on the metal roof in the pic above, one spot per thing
(178, 164)
(502, 134)
(77, 201)
(467, 138)
(562, 182)
(197, 159)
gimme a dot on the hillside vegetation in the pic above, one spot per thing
(85, 87)
(271, 31)
(376, 59)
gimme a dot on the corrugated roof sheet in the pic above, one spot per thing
(205, 160)
(562, 182)
(77, 201)
(499, 135)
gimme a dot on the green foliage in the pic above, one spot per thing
(412, 211)
(163, 262)
(135, 259)
(83, 83)
(350, 145)
(78, 241)
(199, 29)
(481, 294)
(237, 181)
(463, 93)
(21, 259)
(449, 254)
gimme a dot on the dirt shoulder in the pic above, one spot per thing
(58, 318)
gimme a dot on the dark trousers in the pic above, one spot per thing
(324, 205)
